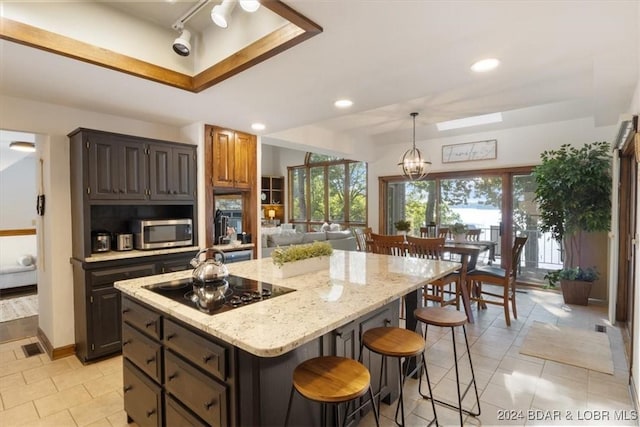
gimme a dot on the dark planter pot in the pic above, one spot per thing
(576, 291)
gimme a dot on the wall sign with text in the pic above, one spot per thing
(470, 151)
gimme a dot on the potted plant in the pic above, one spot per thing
(300, 259)
(574, 197)
(458, 231)
(403, 226)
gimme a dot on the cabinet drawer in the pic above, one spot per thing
(205, 396)
(177, 415)
(201, 351)
(145, 353)
(108, 276)
(146, 320)
(142, 398)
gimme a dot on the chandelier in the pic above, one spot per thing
(413, 164)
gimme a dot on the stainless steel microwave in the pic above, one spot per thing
(162, 233)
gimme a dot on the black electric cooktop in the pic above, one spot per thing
(241, 291)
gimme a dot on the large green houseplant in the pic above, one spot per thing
(574, 197)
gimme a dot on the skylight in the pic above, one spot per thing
(470, 121)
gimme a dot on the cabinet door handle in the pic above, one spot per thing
(149, 323)
(150, 413)
(126, 342)
(151, 360)
(127, 388)
(209, 404)
(339, 334)
(121, 190)
(114, 190)
(206, 358)
(172, 376)
(125, 310)
(170, 336)
(387, 322)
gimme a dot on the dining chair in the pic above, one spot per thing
(424, 232)
(443, 232)
(473, 235)
(362, 236)
(388, 244)
(504, 277)
(438, 290)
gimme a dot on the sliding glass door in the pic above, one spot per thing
(500, 203)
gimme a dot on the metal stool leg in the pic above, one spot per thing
(461, 395)
(286, 420)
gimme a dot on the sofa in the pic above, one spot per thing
(18, 261)
(344, 240)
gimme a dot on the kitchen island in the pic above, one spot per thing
(256, 347)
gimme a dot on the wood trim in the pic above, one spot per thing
(291, 34)
(18, 232)
(38, 38)
(55, 353)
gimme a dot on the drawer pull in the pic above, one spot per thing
(170, 336)
(126, 342)
(149, 323)
(126, 310)
(151, 360)
(209, 404)
(387, 322)
(339, 334)
(172, 376)
(127, 388)
(208, 357)
(150, 413)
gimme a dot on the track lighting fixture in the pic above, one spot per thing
(221, 14)
(249, 5)
(182, 45)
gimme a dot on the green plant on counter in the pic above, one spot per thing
(458, 228)
(299, 252)
(403, 225)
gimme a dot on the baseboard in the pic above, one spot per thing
(55, 353)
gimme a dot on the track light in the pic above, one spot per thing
(29, 147)
(249, 5)
(221, 14)
(182, 45)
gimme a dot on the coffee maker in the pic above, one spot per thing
(220, 223)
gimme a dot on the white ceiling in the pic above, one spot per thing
(560, 60)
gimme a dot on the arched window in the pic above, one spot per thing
(327, 189)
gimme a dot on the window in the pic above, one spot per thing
(328, 189)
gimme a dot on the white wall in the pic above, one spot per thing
(18, 194)
(52, 123)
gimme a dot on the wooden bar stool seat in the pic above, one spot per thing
(331, 379)
(399, 343)
(446, 318)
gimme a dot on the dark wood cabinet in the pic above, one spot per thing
(142, 397)
(172, 172)
(117, 168)
(97, 304)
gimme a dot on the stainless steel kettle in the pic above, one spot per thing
(210, 270)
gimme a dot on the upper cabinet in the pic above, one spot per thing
(233, 159)
(172, 172)
(119, 167)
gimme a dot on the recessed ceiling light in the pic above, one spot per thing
(485, 65)
(258, 126)
(343, 103)
(470, 121)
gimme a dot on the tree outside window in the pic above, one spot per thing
(328, 189)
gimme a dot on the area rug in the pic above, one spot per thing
(19, 307)
(577, 347)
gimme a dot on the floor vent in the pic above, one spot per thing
(32, 349)
(601, 328)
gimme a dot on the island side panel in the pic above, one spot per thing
(265, 383)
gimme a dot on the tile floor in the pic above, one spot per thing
(36, 391)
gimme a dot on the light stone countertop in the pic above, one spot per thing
(355, 284)
(136, 253)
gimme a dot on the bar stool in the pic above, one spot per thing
(440, 316)
(332, 379)
(396, 342)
